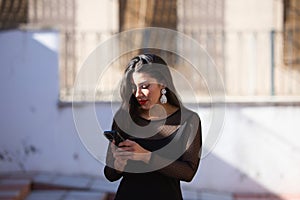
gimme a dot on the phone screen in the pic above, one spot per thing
(114, 135)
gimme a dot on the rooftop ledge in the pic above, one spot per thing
(254, 101)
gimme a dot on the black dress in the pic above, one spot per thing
(160, 179)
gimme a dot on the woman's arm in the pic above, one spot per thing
(110, 173)
(186, 166)
(109, 170)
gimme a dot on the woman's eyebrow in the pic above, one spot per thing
(142, 83)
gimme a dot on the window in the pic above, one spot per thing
(292, 33)
(13, 13)
(242, 55)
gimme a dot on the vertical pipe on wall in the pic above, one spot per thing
(272, 37)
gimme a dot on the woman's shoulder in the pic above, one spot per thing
(188, 113)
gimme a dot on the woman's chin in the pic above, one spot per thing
(145, 107)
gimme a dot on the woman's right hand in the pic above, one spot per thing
(120, 157)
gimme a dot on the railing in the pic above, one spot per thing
(13, 13)
(49, 13)
(250, 63)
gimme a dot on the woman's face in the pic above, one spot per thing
(146, 90)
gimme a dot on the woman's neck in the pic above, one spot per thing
(158, 111)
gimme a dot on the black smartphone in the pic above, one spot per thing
(114, 135)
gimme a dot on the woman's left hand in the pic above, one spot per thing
(134, 151)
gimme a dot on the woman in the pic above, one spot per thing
(163, 138)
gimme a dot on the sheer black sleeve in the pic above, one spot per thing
(186, 166)
(110, 173)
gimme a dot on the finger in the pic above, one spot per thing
(121, 156)
(125, 158)
(122, 153)
(120, 149)
(127, 143)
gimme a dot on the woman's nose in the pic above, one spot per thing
(138, 92)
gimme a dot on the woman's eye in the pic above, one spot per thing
(145, 86)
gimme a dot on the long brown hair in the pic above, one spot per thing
(155, 67)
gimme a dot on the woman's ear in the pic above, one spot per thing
(162, 87)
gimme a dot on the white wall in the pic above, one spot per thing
(258, 150)
(94, 16)
(29, 111)
(248, 26)
(249, 15)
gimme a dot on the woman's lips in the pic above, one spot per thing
(142, 102)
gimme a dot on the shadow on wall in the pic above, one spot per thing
(216, 178)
